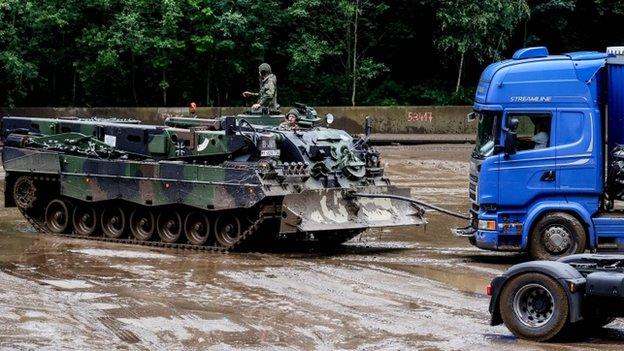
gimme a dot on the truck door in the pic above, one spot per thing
(531, 172)
(579, 157)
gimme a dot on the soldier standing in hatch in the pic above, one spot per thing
(267, 96)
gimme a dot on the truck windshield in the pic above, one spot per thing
(486, 133)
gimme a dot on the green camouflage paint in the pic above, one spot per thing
(210, 166)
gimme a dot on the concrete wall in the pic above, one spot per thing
(387, 120)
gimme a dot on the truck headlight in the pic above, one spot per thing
(487, 225)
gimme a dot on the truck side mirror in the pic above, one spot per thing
(513, 124)
(511, 137)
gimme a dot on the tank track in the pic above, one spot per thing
(243, 238)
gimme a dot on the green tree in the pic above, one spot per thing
(615, 7)
(167, 43)
(202, 37)
(129, 35)
(32, 36)
(17, 71)
(229, 37)
(328, 38)
(146, 52)
(549, 18)
(478, 28)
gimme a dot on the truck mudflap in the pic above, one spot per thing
(337, 209)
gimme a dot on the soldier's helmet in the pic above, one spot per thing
(293, 111)
(264, 67)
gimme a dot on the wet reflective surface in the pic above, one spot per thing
(407, 288)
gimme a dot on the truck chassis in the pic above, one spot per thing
(545, 300)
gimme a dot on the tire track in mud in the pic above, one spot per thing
(150, 318)
(381, 302)
(35, 315)
(378, 293)
(359, 306)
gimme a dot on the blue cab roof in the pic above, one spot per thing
(534, 76)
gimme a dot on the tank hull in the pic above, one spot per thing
(201, 182)
(212, 189)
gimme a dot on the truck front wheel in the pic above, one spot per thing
(534, 307)
(557, 235)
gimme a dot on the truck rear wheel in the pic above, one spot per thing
(534, 307)
(557, 235)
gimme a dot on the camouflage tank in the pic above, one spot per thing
(197, 183)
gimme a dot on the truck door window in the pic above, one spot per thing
(533, 130)
(571, 124)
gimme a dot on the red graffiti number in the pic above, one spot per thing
(414, 116)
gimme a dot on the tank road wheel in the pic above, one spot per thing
(24, 192)
(196, 228)
(113, 222)
(169, 226)
(84, 219)
(57, 216)
(142, 224)
(556, 235)
(227, 229)
(534, 307)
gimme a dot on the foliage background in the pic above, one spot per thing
(324, 52)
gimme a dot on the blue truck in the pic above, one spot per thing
(547, 170)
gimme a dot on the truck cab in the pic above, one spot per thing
(537, 173)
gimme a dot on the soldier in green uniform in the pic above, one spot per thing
(290, 120)
(267, 96)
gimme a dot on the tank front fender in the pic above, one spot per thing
(563, 273)
(541, 208)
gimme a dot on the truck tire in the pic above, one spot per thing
(556, 235)
(534, 307)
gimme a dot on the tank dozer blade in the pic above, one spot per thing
(335, 210)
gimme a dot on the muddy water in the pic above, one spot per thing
(408, 288)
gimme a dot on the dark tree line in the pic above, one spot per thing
(324, 52)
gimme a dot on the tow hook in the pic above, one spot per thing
(466, 232)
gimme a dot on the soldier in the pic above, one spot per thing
(267, 97)
(290, 120)
(193, 110)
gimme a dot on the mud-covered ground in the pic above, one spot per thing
(409, 288)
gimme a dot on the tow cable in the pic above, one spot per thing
(413, 201)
